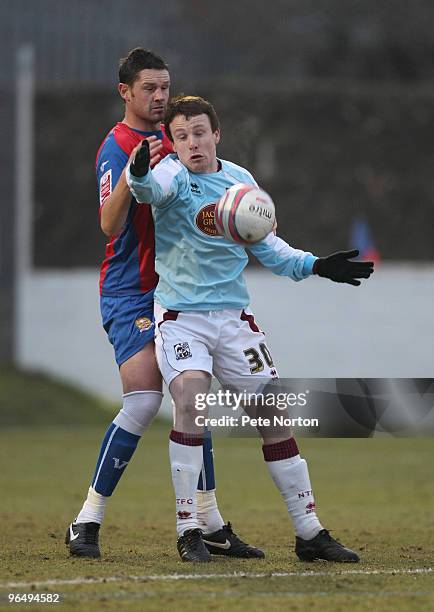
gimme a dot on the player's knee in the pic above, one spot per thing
(273, 417)
(138, 410)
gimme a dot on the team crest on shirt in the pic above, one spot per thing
(182, 350)
(205, 220)
(143, 324)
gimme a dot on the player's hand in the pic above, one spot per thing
(141, 158)
(155, 148)
(337, 268)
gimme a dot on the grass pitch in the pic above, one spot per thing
(376, 495)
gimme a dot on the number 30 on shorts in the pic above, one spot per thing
(255, 361)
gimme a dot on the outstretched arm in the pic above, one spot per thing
(275, 254)
(282, 259)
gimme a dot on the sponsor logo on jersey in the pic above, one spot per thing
(105, 186)
(184, 500)
(182, 350)
(205, 220)
(143, 324)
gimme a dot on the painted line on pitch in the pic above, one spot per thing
(145, 594)
(167, 577)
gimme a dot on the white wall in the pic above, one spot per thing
(315, 328)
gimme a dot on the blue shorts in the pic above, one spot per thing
(129, 323)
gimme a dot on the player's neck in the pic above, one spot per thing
(136, 123)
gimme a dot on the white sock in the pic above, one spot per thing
(291, 477)
(208, 515)
(93, 508)
(186, 464)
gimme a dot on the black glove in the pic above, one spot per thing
(140, 164)
(337, 268)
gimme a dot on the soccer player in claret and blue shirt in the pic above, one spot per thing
(203, 325)
(127, 283)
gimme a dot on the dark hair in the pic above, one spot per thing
(190, 106)
(139, 59)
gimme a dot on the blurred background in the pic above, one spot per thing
(328, 103)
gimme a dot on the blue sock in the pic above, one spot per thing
(117, 449)
(207, 477)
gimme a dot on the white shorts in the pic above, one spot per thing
(225, 343)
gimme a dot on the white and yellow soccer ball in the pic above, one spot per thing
(245, 214)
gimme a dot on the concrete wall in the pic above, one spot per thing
(314, 328)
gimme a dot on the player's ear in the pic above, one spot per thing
(124, 91)
(217, 136)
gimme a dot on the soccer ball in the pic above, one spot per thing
(245, 214)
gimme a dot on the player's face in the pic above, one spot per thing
(146, 99)
(195, 142)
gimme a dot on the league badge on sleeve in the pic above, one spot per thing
(105, 186)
